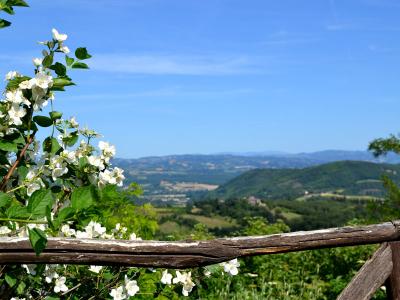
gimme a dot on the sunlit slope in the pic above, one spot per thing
(343, 178)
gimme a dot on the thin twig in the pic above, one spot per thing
(6, 178)
(71, 289)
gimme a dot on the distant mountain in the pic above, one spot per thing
(323, 156)
(342, 178)
(162, 177)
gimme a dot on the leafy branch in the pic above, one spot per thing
(8, 7)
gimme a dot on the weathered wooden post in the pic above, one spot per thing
(393, 282)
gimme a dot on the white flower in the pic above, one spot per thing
(133, 237)
(231, 267)
(131, 287)
(83, 235)
(166, 277)
(94, 229)
(25, 85)
(118, 293)
(105, 177)
(186, 280)
(42, 80)
(17, 298)
(42, 227)
(37, 61)
(187, 287)
(12, 74)
(118, 176)
(73, 123)
(33, 183)
(64, 49)
(58, 167)
(96, 161)
(69, 156)
(58, 172)
(67, 231)
(4, 230)
(180, 277)
(95, 269)
(107, 150)
(58, 36)
(15, 114)
(34, 186)
(50, 273)
(30, 269)
(60, 285)
(17, 97)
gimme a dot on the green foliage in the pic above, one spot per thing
(318, 274)
(38, 240)
(83, 197)
(39, 203)
(43, 121)
(344, 177)
(7, 6)
(382, 146)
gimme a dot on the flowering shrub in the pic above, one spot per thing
(66, 186)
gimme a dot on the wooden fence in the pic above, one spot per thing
(382, 268)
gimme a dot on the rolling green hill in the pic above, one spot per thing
(341, 178)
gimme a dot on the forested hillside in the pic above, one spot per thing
(341, 178)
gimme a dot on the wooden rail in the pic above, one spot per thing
(188, 254)
(383, 266)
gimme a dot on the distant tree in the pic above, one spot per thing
(390, 208)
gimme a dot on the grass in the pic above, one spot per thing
(211, 222)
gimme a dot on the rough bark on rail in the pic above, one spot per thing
(187, 254)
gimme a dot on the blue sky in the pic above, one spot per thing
(209, 76)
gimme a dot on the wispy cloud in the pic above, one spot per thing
(173, 65)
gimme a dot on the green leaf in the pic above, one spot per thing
(71, 139)
(82, 53)
(38, 203)
(51, 145)
(51, 298)
(83, 197)
(47, 61)
(8, 9)
(22, 172)
(79, 65)
(61, 82)
(83, 162)
(8, 146)
(49, 218)
(11, 280)
(14, 83)
(19, 140)
(16, 211)
(3, 159)
(38, 240)
(21, 288)
(59, 68)
(69, 60)
(64, 214)
(5, 199)
(43, 121)
(20, 3)
(55, 115)
(4, 23)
